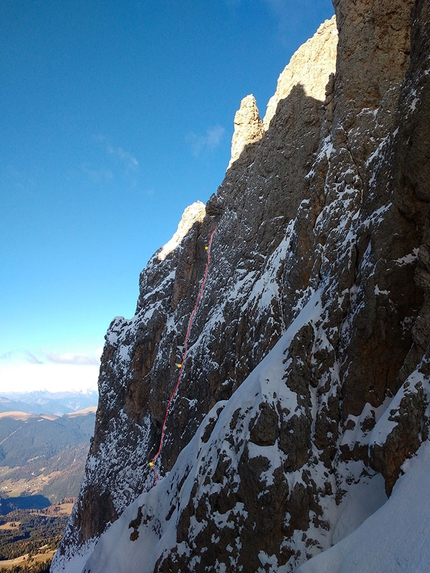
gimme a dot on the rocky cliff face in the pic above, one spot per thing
(305, 384)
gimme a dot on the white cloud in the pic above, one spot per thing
(207, 142)
(76, 359)
(23, 371)
(126, 158)
(50, 377)
(19, 356)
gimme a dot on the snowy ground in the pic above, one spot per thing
(395, 539)
(371, 535)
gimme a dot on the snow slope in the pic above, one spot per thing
(395, 539)
(115, 552)
(148, 529)
(393, 535)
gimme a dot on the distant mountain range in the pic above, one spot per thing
(57, 403)
(43, 455)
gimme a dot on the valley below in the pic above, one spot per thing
(30, 537)
(42, 461)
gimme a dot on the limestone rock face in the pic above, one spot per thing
(307, 375)
(309, 67)
(193, 214)
(248, 127)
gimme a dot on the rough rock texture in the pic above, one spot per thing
(248, 127)
(309, 67)
(195, 213)
(308, 365)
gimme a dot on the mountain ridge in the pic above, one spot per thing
(41, 401)
(44, 454)
(306, 386)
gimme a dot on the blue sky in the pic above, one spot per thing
(115, 115)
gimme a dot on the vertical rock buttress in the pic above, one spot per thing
(320, 264)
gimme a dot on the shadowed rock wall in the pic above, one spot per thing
(322, 249)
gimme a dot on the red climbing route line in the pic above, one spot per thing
(184, 356)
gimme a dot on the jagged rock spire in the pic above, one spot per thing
(248, 127)
(309, 67)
